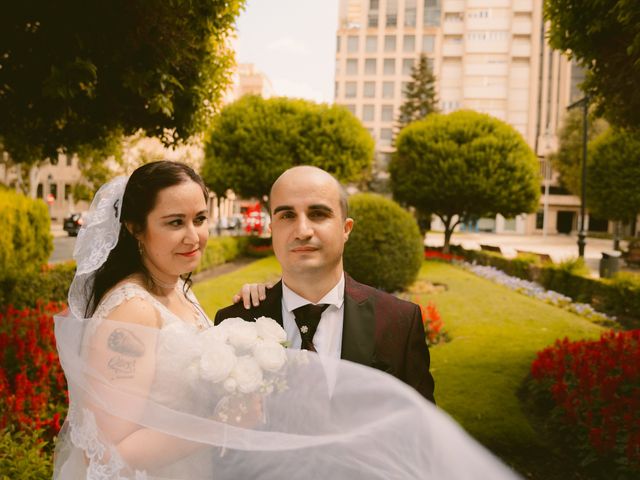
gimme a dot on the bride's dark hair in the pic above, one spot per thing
(139, 199)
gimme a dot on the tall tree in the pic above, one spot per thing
(463, 166)
(76, 73)
(613, 176)
(420, 94)
(254, 140)
(604, 37)
(567, 160)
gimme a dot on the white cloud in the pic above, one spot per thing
(288, 45)
(290, 88)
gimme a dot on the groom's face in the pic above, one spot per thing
(308, 227)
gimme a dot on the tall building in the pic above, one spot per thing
(487, 55)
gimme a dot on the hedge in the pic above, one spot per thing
(618, 296)
(26, 240)
(220, 250)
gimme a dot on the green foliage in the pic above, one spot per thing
(26, 240)
(74, 74)
(24, 455)
(385, 247)
(254, 140)
(24, 287)
(464, 164)
(567, 161)
(220, 250)
(613, 176)
(604, 38)
(419, 94)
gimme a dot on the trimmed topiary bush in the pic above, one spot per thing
(26, 239)
(26, 287)
(385, 247)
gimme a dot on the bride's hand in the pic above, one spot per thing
(252, 293)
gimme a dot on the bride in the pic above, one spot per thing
(157, 392)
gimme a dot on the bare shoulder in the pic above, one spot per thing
(135, 308)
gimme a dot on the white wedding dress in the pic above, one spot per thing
(365, 425)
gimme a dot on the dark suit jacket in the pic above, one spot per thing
(379, 331)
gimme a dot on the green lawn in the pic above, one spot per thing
(495, 334)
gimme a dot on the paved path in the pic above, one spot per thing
(558, 247)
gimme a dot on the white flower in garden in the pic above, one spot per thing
(217, 361)
(243, 336)
(269, 329)
(248, 374)
(270, 355)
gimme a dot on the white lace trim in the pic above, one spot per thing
(84, 435)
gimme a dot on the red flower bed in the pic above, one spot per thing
(33, 391)
(595, 388)
(430, 254)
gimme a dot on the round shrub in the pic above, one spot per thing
(26, 240)
(385, 248)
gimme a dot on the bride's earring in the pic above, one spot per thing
(140, 248)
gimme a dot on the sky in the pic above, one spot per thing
(293, 43)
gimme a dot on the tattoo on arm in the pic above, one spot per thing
(122, 367)
(125, 342)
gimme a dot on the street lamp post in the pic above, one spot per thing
(584, 103)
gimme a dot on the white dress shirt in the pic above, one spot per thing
(328, 337)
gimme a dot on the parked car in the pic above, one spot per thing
(72, 224)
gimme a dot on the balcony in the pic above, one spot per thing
(452, 49)
(521, 27)
(521, 50)
(522, 5)
(453, 28)
(453, 6)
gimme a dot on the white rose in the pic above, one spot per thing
(270, 355)
(230, 385)
(242, 335)
(213, 334)
(230, 322)
(248, 374)
(269, 329)
(217, 362)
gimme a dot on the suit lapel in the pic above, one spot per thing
(358, 330)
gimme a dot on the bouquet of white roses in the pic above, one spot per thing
(244, 357)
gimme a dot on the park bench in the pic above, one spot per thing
(490, 248)
(543, 257)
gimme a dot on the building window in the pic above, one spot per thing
(389, 66)
(352, 66)
(368, 113)
(392, 13)
(370, 66)
(385, 136)
(387, 89)
(369, 89)
(431, 13)
(337, 43)
(407, 66)
(371, 44)
(69, 160)
(539, 220)
(410, 13)
(386, 114)
(373, 20)
(389, 43)
(67, 191)
(350, 89)
(351, 108)
(53, 190)
(404, 89)
(428, 43)
(352, 44)
(40, 191)
(374, 4)
(409, 43)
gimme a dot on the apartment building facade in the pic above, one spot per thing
(487, 55)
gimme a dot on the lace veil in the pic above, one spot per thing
(148, 402)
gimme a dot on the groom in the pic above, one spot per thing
(309, 227)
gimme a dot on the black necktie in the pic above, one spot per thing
(307, 319)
